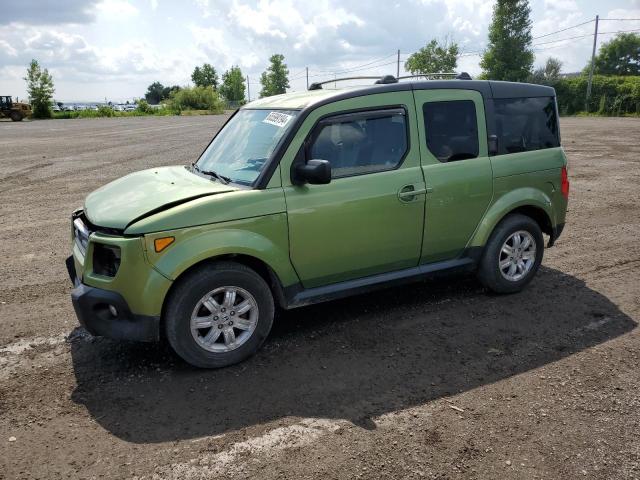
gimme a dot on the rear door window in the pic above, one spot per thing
(526, 124)
(451, 129)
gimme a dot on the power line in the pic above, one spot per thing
(354, 70)
(585, 36)
(563, 39)
(357, 67)
(299, 75)
(563, 30)
(375, 63)
(619, 31)
(472, 54)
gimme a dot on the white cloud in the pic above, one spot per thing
(203, 5)
(116, 9)
(117, 43)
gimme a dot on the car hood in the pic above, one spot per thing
(138, 195)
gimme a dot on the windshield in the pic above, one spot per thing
(243, 146)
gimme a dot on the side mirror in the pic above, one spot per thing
(493, 145)
(315, 172)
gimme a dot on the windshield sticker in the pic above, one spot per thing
(278, 119)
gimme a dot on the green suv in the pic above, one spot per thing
(316, 195)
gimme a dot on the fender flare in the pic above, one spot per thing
(521, 197)
(224, 242)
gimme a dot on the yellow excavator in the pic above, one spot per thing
(16, 111)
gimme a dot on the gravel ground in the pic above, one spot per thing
(433, 380)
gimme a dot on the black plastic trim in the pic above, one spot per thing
(297, 296)
(557, 231)
(92, 309)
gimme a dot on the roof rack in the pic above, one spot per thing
(439, 75)
(318, 85)
(386, 79)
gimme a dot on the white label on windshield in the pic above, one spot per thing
(278, 119)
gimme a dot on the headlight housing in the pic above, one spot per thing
(106, 259)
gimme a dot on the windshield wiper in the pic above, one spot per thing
(218, 176)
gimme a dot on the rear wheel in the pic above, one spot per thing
(219, 315)
(512, 255)
(16, 116)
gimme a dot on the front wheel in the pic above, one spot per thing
(16, 116)
(219, 315)
(512, 255)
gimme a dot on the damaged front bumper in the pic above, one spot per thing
(106, 313)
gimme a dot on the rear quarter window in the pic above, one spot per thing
(526, 124)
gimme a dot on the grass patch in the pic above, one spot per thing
(107, 112)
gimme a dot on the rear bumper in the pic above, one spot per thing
(92, 306)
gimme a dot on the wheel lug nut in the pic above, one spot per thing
(215, 318)
(224, 309)
(232, 312)
(220, 326)
(230, 323)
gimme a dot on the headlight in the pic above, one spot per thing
(106, 259)
(81, 234)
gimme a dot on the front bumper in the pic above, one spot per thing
(92, 306)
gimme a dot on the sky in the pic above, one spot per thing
(101, 50)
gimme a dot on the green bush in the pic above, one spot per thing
(196, 98)
(105, 111)
(610, 95)
(143, 107)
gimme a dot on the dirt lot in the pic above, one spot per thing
(435, 380)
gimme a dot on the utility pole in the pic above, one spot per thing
(248, 90)
(593, 56)
(398, 69)
(307, 77)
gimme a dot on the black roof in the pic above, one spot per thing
(488, 88)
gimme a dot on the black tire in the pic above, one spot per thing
(489, 272)
(192, 288)
(15, 116)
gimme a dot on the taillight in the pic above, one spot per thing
(564, 183)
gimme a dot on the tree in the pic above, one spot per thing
(433, 58)
(166, 93)
(232, 87)
(155, 93)
(619, 56)
(275, 79)
(549, 73)
(40, 89)
(205, 76)
(509, 55)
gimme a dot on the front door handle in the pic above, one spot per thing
(409, 192)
